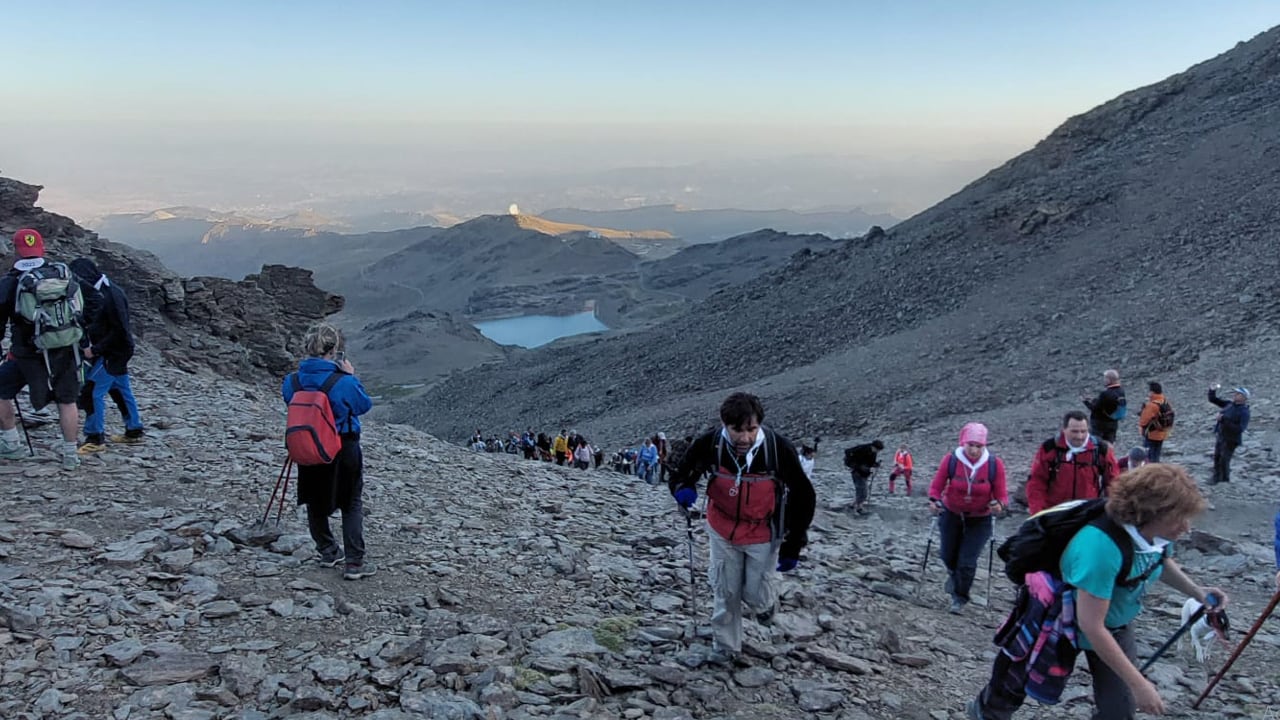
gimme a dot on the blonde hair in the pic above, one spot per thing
(322, 339)
(1155, 490)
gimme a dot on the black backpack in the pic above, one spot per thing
(1102, 448)
(1041, 539)
(1164, 419)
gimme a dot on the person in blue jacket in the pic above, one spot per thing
(340, 484)
(1232, 422)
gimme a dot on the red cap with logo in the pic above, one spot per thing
(28, 243)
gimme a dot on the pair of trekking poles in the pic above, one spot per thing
(1218, 621)
(991, 555)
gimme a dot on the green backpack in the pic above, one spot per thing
(49, 298)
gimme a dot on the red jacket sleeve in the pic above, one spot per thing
(1038, 482)
(939, 481)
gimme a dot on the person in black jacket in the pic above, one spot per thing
(1108, 409)
(861, 461)
(759, 507)
(1232, 422)
(108, 346)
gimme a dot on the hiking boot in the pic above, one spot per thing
(727, 658)
(766, 617)
(130, 437)
(332, 561)
(971, 711)
(90, 448)
(356, 571)
(957, 606)
(12, 452)
(70, 460)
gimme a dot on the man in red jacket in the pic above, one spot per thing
(1073, 465)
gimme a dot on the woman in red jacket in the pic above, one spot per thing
(968, 487)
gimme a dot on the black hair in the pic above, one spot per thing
(1073, 415)
(1155, 387)
(739, 408)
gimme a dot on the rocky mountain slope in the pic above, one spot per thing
(1140, 234)
(700, 270)
(700, 226)
(139, 586)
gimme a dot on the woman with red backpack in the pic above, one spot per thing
(968, 487)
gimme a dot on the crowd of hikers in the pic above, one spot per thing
(1100, 533)
(70, 344)
(650, 459)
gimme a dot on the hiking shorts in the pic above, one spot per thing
(31, 373)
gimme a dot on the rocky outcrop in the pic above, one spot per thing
(245, 328)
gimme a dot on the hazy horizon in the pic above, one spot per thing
(139, 105)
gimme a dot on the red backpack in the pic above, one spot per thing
(310, 435)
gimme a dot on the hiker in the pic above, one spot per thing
(675, 454)
(582, 457)
(1134, 459)
(1149, 507)
(597, 454)
(561, 447)
(544, 447)
(660, 442)
(50, 375)
(1233, 420)
(902, 464)
(340, 484)
(647, 461)
(1108, 409)
(807, 461)
(1155, 422)
(1073, 465)
(968, 487)
(861, 459)
(759, 506)
(108, 346)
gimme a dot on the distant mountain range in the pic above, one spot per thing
(700, 226)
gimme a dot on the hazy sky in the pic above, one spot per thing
(516, 85)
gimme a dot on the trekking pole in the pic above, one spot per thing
(1195, 616)
(693, 578)
(933, 526)
(991, 558)
(1275, 599)
(283, 479)
(17, 406)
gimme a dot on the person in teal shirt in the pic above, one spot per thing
(1155, 505)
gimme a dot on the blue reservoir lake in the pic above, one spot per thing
(530, 331)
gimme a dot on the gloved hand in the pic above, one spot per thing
(686, 497)
(787, 564)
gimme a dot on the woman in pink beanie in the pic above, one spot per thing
(968, 487)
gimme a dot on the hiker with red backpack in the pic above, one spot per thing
(1084, 571)
(759, 507)
(326, 400)
(1155, 422)
(968, 487)
(1074, 465)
